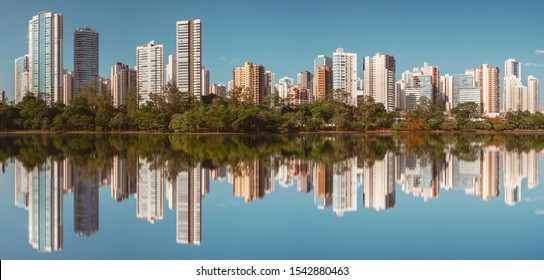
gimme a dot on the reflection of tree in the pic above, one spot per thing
(92, 152)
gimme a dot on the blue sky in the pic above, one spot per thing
(285, 36)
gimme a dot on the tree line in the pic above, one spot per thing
(177, 111)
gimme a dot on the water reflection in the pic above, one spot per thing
(335, 169)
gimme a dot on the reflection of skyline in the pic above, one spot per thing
(40, 190)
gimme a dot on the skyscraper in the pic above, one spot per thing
(533, 92)
(461, 82)
(123, 78)
(85, 58)
(250, 79)
(379, 79)
(490, 89)
(21, 78)
(149, 59)
(345, 73)
(515, 94)
(323, 82)
(45, 54)
(189, 56)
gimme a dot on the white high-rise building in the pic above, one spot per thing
(515, 94)
(171, 70)
(533, 94)
(379, 79)
(345, 73)
(21, 78)
(45, 54)
(189, 57)
(68, 86)
(149, 59)
(150, 191)
(446, 90)
(512, 67)
(205, 82)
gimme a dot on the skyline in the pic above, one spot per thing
(292, 53)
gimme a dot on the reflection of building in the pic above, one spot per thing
(119, 179)
(345, 186)
(250, 180)
(302, 171)
(323, 185)
(86, 218)
(379, 184)
(514, 167)
(532, 169)
(189, 186)
(150, 189)
(420, 178)
(489, 170)
(23, 184)
(219, 174)
(45, 221)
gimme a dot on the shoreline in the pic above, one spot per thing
(374, 132)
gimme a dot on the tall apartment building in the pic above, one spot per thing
(345, 73)
(379, 79)
(320, 60)
(21, 78)
(123, 78)
(489, 89)
(512, 67)
(306, 80)
(86, 49)
(149, 59)
(219, 90)
(189, 56)
(533, 92)
(250, 79)
(45, 54)
(323, 82)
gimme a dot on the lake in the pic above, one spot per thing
(398, 196)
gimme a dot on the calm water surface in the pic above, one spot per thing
(255, 197)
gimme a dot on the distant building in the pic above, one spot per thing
(306, 80)
(123, 79)
(269, 82)
(205, 82)
(299, 95)
(283, 86)
(533, 92)
(68, 86)
(462, 82)
(150, 58)
(219, 90)
(21, 78)
(171, 70)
